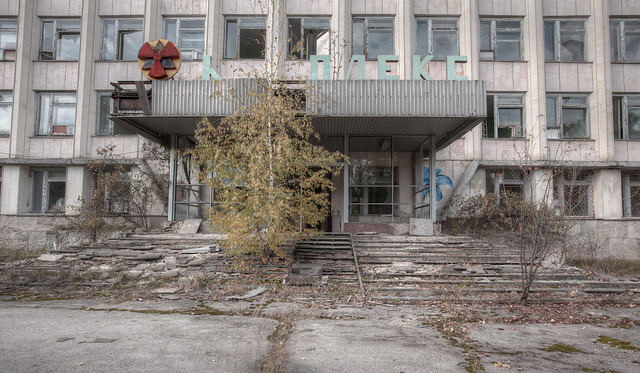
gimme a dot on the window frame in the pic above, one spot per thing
(367, 29)
(239, 27)
(627, 200)
(53, 105)
(500, 182)
(580, 179)
(557, 38)
(3, 21)
(559, 107)
(196, 54)
(118, 54)
(10, 106)
(429, 36)
(621, 129)
(47, 178)
(303, 54)
(494, 39)
(496, 115)
(57, 32)
(112, 126)
(620, 40)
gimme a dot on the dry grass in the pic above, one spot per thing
(276, 359)
(12, 255)
(611, 266)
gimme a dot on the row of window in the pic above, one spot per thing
(572, 190)
(567, 116)
(500, 39)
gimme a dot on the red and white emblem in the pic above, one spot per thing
(159, 59)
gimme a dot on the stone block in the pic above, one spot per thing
(50, 257)
(190, 226)
(170, 274)
(170, 262)
(421, 227)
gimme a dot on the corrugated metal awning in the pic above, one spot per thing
(445, 109)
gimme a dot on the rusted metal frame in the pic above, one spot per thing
(355, 259)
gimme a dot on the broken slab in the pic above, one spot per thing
(171, 273)
(251, 294)
(198, 250)
(166, 290)
(305, 274)
(50, 257)
(148, 256)
(190, 226)
(170, 262)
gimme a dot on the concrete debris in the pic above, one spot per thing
(101, 268)
(148, 256)
(171, 273)
(198, 250)
(197, 261)
(134, 273)
(190, 226)
(251, 294)
(184, 281)
(170, 262)
(50, 257)
(169, 297)
(166, 290)
(158, 267)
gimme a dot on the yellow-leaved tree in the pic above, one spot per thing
(271, 182)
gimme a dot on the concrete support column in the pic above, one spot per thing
(214, 33)
(152, 20)
(600, 100)
(77, 188)
(16, 191)
(540, 186)
(433, 208)
(405, 38)
(276, 45)
(173, 178)
(86, 97)
(470, 47)
(23, 118)
(340, 38)
(607, 194)
(535, 114)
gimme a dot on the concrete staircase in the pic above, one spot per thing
(410, 268)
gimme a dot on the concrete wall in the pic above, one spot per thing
(615, 238)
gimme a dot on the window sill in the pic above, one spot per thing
(503, 61)
(119, 135)
(583, 140)
(55, 60)
(506, 138)
(51, 137)
(625, 63)
(584, 62)
(117, 61)
(628, 140)
(243, 59)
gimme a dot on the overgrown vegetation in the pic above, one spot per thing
(271, 183)
(611, 266)
(118, 192)
(12, 255)
(534, 229)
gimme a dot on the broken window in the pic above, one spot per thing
(48, 191)
(567, 117)
(373, 37)
(564, 40)
(309, 36)
(437, 37)
(631, 194)
(505, 181)
(626, 117)
(60, 40)
(107, 127)
(121, 38)
(573, 192)
(505, 116)
(8, 39)
(500, 39)
(6, 112)
(625, 40)
(245, 37)
(56, 114)
(187, 34)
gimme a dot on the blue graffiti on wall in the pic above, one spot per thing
(440, 180)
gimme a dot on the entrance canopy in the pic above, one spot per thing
(443, 109)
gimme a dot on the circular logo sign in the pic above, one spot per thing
(159, 59)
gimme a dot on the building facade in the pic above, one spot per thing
(562, 80)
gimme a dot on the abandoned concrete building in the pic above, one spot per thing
(487, 84)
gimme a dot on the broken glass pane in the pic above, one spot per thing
(634, 123)
(251, 43)
(632, 41)
(574, 123)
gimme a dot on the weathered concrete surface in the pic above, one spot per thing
(50, 339)
(519, 347)
(396, 345)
